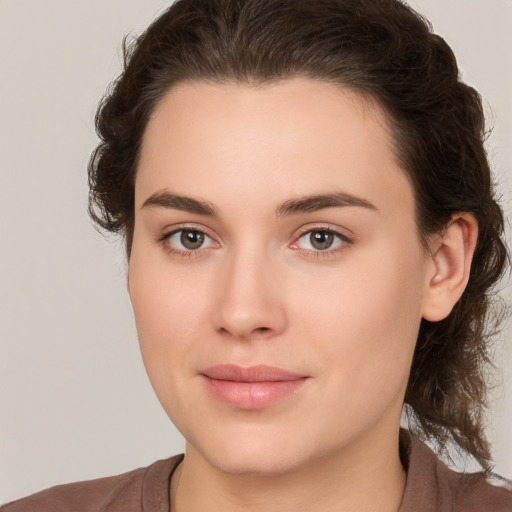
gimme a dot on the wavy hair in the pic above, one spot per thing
(385, 50)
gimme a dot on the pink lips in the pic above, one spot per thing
(254, 387)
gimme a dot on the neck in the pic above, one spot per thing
(357, 478)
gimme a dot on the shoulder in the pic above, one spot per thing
(128, 492)
(478, 492)
(433, 487)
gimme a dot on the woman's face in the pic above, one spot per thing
(276, 273)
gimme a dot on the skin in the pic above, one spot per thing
(258, 292)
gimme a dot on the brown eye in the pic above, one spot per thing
(188, 242)
(321, 240)
(191, 240)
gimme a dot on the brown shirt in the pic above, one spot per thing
(431, 487)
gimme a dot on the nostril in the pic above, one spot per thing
(256, 332)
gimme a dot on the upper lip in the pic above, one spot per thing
(259, 373)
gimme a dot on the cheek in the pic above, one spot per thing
(167, 318)
(168, 312)
(364, 318)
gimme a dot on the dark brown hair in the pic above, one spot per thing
(388, 52)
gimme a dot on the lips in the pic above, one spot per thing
(254, 387)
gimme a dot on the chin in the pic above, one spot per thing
(253, 451)
(253, 462)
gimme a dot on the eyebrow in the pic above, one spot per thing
(165, 199)
(308, 204)
(303, 204)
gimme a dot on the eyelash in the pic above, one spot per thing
(186, 253)
(344, 242)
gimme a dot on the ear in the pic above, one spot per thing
(451, 254)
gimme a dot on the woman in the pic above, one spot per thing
(312, 238)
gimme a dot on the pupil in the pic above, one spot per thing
(192, 239)
(321, 240)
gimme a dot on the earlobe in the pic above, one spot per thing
(451, 255)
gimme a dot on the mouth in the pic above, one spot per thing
(254, 387)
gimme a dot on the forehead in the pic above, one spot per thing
(298, 103)
(293, 137)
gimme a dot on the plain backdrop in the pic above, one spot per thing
(75, 402)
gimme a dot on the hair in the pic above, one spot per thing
(388, 52)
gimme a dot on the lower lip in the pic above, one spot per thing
(252, 395)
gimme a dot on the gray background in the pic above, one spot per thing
(75, 402)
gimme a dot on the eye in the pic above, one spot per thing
(188, 240)
(320, 240)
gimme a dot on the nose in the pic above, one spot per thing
(249, 300)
